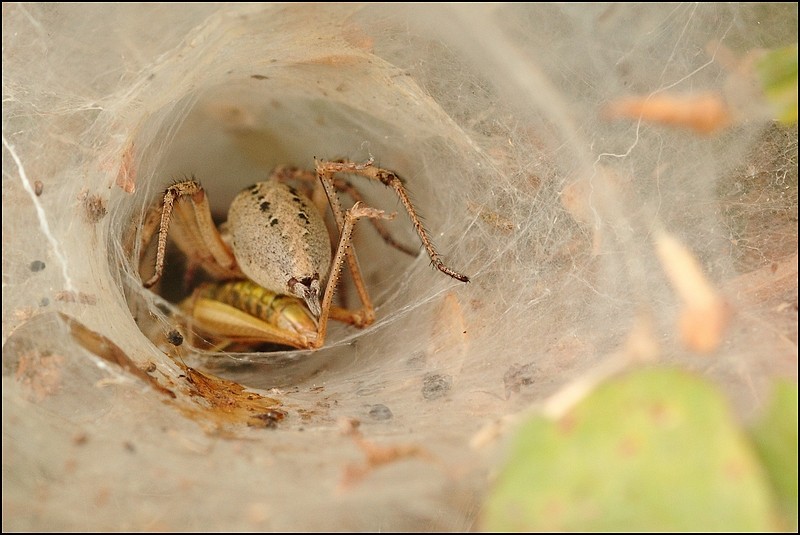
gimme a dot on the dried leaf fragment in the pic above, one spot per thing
(104, 348)
(126, 176)
(376, 455)
(705, 313)
(704, 113)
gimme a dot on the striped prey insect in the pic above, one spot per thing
(272, 262)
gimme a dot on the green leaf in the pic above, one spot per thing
(654, 450)
(777, 70)
(775, 437)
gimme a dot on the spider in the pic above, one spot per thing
(273, 268)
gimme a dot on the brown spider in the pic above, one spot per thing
(272, 259)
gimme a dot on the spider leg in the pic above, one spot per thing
(346, 187)
(326, 170)
(194, 232)
(287, 173)
(366, 315)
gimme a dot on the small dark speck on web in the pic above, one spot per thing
(174, 337)
(435, 386)
(380, 412)
(519, 375)
(94, 207)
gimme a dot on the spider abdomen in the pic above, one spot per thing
(278, 237)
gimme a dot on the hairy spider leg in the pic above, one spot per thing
(325, 172)
(285, 173)
(197, 235)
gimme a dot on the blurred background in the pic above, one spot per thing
(618, 181)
